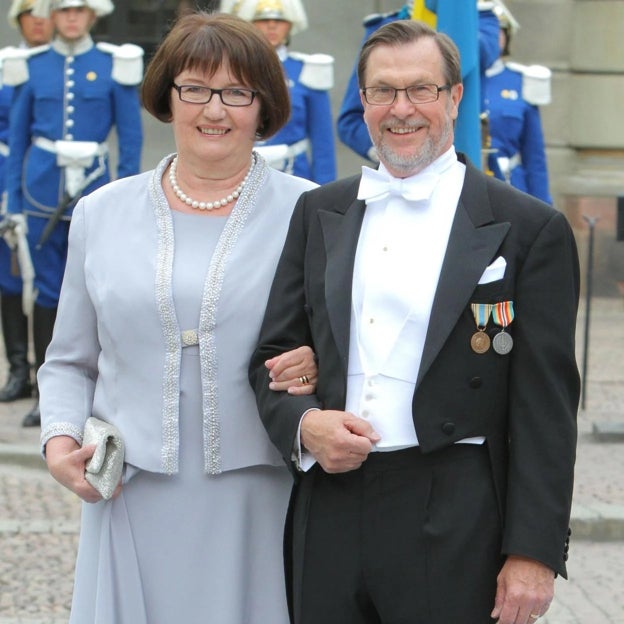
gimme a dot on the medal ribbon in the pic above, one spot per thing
(503, 313)
(481, 313)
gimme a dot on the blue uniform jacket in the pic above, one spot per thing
(516, 130)
(9, 283)
(6, 95)
(310, 118)
(67, 97)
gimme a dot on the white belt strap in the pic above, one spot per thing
(282, 156)
(54, 147)
(298, 148)
(514, 161)
(75, 157)
(507, 165)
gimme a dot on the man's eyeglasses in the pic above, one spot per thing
(416, 94)
(233, 96)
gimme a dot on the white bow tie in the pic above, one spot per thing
(375, 185)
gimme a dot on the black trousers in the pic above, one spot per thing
(409, 538)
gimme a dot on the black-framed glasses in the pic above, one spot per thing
(416, 94)
(232, 96)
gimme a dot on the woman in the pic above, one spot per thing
(513, 93)
(167, 277)
(305, 145)
(68, 97)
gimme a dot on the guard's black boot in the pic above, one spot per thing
(15, 335)
(43, 325)
(33, 418)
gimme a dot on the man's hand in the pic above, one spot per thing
(525, 589)
(339, 441)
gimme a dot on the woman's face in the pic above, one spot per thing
(214, 132)
(276, 31)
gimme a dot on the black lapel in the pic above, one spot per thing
(340, 236)
(473, 242)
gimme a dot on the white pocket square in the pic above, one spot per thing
(495, 271)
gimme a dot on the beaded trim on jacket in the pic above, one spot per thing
(207, 321)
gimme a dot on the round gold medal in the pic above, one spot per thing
(480, 342)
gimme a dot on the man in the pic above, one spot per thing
(305, 145)
(435, 461)
(35, 31)
(350, 124)
(68, 97)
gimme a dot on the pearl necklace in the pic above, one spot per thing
(193, 203)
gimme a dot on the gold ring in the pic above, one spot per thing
(304, 379)
(534, 616)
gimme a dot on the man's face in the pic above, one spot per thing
(35, 31)
(409, 137)
(73, 23)
(276, 31)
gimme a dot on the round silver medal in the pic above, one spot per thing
(502, 343)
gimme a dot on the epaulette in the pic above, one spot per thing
(127, 62)
(535, 82)
(317, 72)
(7, 51)
(375, 18)
(4, 52)
(15, 64)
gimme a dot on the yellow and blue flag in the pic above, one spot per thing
(459, 20)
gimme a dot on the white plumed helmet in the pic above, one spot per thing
(253, 10)
(17, 8)
(42, 8)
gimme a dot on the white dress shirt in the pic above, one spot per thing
(398, 261)
(397, 266)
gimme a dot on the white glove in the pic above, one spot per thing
(18, 228)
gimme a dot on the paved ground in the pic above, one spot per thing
(39, 519)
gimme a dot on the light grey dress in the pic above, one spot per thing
(188, 547)
(196, 534)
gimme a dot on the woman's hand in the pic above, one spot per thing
(294, 371)
(66, 462)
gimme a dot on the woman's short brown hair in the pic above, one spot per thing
(205, 41)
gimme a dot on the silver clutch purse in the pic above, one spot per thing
(103, 470)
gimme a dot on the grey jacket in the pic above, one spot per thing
(116, 349)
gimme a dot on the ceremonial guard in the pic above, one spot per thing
(68, 97)
(513, 93)
(34, 31)
(350, 125)
(305, 146)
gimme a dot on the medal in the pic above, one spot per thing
(502, 315)
(502, 343)
(480, 341)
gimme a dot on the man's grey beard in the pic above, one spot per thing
(411, 164)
